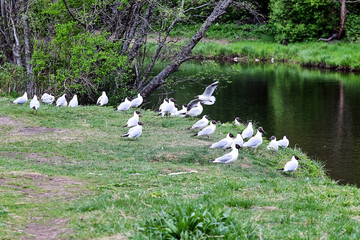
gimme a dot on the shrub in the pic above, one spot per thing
(297, 20)
(195, 221)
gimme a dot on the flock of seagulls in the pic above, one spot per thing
(205, 126)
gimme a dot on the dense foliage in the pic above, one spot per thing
(90, 46)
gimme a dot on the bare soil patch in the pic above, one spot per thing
(35, 130)
(8, 121)
(46, 187)
(37, 158)
(51, 230)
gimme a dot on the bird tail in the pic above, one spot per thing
(195, 135)
(281, 169)
(188, 128)
(125, 135)
(34, 108)
(125, 125)
(211, 160)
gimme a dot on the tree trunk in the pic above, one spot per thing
(16, 46)
(28, 65)
(342, 18)
(184, 54)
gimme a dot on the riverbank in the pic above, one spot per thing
(252, 45)
(70, 169)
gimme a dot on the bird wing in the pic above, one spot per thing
(192, 104)
(291, 166)
(220, 144)
(252, 142)
(200, 123)
(209, 90)
(224, 158)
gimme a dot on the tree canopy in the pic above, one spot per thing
(112, 45)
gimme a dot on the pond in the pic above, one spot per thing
(319, 111)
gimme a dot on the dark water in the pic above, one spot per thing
(319, 111)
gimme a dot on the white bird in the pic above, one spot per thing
(21, 100)
(47, 98)
(237, 122)
(207, 98)
(273, 145)
(136, 102)
(74, 101)
(229, 157)
(124, 106)
(208, 130)
(168, 108)
(133, 121)
(224, 143)
(34, 103)
(239, 140)
(256, 140)
(292, 165)
(203, 122)
(164, 103)
(102, 100)
(196, 111)
(248, 131)
(61, 101)
(134, 132)
(283, 142)
(182, 112)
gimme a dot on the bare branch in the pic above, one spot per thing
(73, 16)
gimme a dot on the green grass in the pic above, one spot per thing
(250, 42)
(80, 169)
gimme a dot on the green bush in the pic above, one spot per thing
(352, 27)
(298, 20)
(11, 77)
(196, 221)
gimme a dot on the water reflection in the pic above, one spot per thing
(317, 110)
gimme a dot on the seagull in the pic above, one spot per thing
(133, 121)
(256, 140)
(124, 106)
(248, 131)
(182, 112)
(195, 111)
(273, 145)
(224, 143)
(74, 101)
(61, 101)
(283, 142)
(208, 130)
(21, 100)
(203, 122)
(136, 102)
(207, 98)
(237, 121)
(292, 165)
(229, 157)
(34, 103)
(239, 140)
(102, 100)
(134, 132)
(47, 98)
(168, 108)
(164, 103)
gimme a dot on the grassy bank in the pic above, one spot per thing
(67, 172)
(251, 42)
